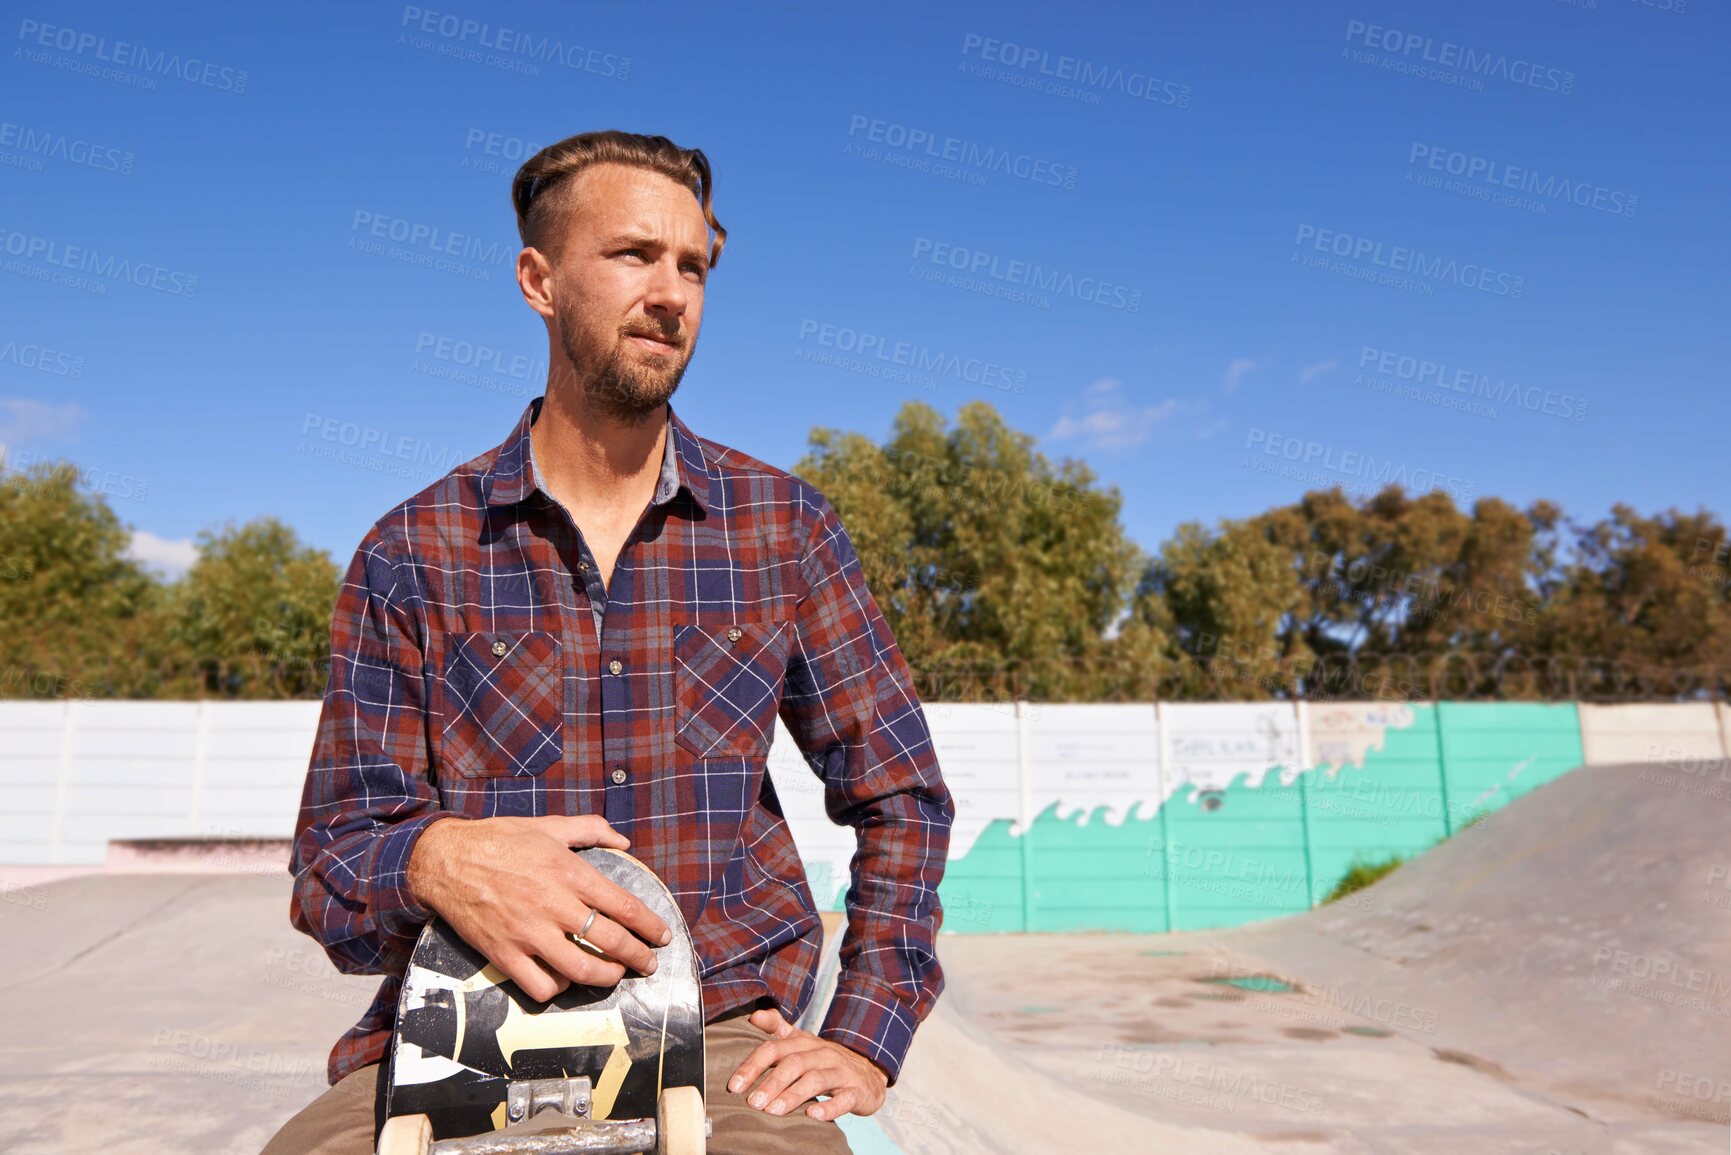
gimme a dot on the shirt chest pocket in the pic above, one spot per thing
(500, 705)
(727, 685)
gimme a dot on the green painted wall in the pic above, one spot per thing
(1243, 852)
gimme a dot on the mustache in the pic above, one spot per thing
(672, 338)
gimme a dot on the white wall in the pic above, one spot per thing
(74, 775)
(1656, 732)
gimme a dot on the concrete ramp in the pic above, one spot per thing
(1576, 943)
(961, 1091)
(1555, 979)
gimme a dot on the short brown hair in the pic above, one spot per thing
(540, 216)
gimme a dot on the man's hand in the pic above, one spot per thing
(802, 1066)
(515, 892)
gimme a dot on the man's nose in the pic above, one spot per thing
(668, 293)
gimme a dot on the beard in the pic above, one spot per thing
(615, 377)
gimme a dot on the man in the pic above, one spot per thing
(583, 638)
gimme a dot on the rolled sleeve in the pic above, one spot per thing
(850, 705)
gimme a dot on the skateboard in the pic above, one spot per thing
(477, 1066)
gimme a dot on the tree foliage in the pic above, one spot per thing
(254, 613)
(80, 618)
(998, 572)
(1001, 575)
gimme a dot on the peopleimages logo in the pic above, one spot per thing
(56, 255)
(40, 358)
(88, 479)
(1025, 274)
(40, 144)
(460, 32)
(911, 356)
(1306, 455)
(482, 366)
(87, 45)
(495, 152)
(371, 448)
(1069, 69)
(1409, 46)
(954, 150)
(432, 238)
(1407, 261)
(1492, 174)
(1437, 375)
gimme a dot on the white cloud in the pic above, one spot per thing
(1106, 419)
(169, 557)
(1209, 428)
(1236, 372)
(1311, 372)
(23, 419)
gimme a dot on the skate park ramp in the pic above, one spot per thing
(1555, 978)
(1577, 943)
(1552, 980)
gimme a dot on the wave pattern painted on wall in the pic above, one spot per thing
(1183, 816)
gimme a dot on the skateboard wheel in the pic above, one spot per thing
(679, 1123)
(407, 1135)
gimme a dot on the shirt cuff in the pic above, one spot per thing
(863, 1016)
(391, 904)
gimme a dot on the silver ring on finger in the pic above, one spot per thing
(583, 934)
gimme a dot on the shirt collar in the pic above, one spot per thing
(511, 478)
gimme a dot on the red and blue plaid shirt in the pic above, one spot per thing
(476, 672)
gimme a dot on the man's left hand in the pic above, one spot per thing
(801, 1066)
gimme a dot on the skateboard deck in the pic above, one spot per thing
(468, 1043)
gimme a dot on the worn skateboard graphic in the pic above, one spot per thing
(478, 1066)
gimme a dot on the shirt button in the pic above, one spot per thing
(618, 777)
(498, 649)
(615, 666)
(582, 567)
(733, 633)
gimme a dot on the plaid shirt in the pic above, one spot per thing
(477, 671)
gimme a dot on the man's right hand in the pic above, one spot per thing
(515, 892)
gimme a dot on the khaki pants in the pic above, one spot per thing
(345, 1119)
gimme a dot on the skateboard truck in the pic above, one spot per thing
(551, 1117)
(527, 1098)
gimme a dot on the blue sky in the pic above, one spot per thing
(1478, 245)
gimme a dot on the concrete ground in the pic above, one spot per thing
(1551, 983)
(1162, 1055)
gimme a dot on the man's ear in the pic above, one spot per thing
(534, 280)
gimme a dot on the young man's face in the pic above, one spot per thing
(627, 286)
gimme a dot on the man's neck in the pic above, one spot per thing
(600, 468)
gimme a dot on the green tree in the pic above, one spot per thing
(1227, 597)
(76, 614)
(1411, 595)
(1405, 583)
(1638, 607)
(80, 618)
(255, 613)
(1000, 574)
